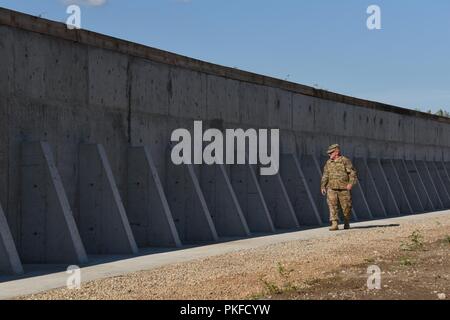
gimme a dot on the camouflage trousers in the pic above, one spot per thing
(339, 198)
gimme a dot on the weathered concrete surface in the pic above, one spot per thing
(251, 200)
(298, 191)
(147, 207)
(361, 210)
(369, 188)
(222, 202)
(409, 186)
(103, 223)
(360, 205)
(425, 175)
(396, 186)
(48, 230)
(384, 190)
(422, 190)
(188, 205)
(438, 181)
(446, 166)
(313, 175)
(278, 203)
(9, 258)
(443, 174)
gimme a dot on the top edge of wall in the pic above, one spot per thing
(57, 29)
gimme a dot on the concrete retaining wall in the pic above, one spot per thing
(72, 88)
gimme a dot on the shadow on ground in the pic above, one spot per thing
(377, 226)
(34, 270)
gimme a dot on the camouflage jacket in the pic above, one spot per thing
(337, 174)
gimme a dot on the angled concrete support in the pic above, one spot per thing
(222, 202)
(429, 184)
(9, 258)
(312, 174)
(277, 200)
(103, 222)
(361, 207)
(246, 186)
(408, 186)
(422, 190)
(298, 191)
(356, 197)
(48, 232)
(366, 181)
(446, 166)
(437, 178)
(396, 186)
(383, 187)
(440, 166)
(188, 205)
(147, 207)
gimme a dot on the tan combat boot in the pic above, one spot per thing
(334, 226)
(346, 223)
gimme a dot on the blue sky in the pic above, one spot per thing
(324, 43)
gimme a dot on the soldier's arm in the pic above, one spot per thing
(351, 171)
(324, 181)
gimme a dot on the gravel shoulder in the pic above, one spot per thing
(413, 255)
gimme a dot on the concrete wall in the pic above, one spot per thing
(76, 87)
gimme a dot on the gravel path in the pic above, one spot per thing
(249, 273)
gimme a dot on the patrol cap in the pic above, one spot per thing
(332, 148)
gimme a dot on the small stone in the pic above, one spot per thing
(441, 296)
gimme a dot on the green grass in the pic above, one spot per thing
(312, 282)
(415, 242)
(406, 262)
(256, 296)
(447, 239)
(271, 288)
(283, 271)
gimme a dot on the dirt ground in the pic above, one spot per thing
(422, 273)
(413, 257)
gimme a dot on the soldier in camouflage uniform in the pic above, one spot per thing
(339, 177)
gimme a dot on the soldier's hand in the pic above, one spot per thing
(324, 191)
(349, 187)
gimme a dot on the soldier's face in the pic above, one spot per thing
(335, 154)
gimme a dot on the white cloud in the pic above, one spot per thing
(92, 3)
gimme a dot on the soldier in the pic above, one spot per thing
(339, 177)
